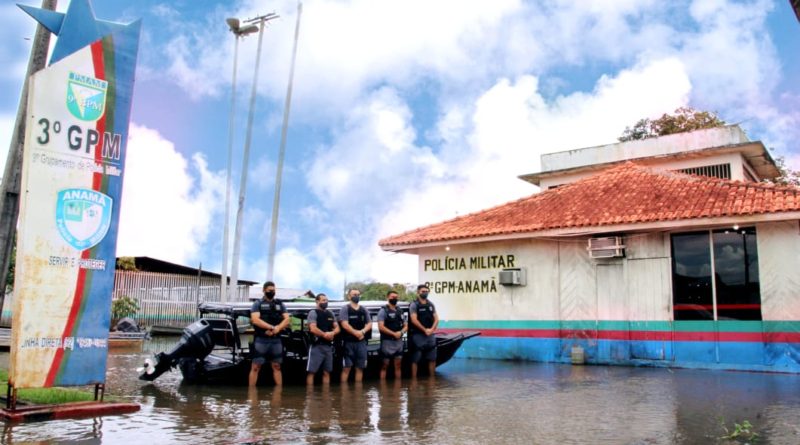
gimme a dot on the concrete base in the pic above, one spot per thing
(34, 413)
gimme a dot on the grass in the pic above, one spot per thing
(47, 396)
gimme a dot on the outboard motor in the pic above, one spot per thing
(195, 343)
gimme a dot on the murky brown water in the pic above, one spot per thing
(470, 401)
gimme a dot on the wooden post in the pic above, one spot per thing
(10, 189)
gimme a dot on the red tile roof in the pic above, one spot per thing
(625, 194)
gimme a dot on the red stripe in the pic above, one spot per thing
(100, 73)
(755, 337)
(77, 299)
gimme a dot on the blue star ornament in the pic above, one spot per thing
(75, 29)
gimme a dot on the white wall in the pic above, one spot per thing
(779, 269)
(563, 283)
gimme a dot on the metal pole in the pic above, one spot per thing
(245, 159)
(9, 195)
(199, 281)
(224, 274)
(276, 203)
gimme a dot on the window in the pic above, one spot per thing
(731, 257)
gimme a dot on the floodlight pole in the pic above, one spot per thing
(237, 234)
(276, 202)
(12, 176)
(224, 273)
(238, 32)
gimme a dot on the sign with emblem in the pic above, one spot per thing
(83, 216)
(73, 165)
(86, 97)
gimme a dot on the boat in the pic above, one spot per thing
(211, 350)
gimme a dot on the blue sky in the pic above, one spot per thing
(407, 112)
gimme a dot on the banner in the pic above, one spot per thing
(73, 166)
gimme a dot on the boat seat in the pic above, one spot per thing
(223, 334)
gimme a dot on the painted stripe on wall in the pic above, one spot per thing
(688, 331)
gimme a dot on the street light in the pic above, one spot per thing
(238, 32)
(237, 234)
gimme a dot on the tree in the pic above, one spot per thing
(126, 263)
(688, 119)
(684, 119)
(11, 267)
(788, 176)
(375, 291)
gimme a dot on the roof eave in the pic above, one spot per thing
(573, 232)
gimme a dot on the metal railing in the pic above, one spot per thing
(169, 300)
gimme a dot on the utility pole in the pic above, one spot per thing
(276, 202)
(10, 189)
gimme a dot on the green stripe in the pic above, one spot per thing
(500, 324)
(622, 325)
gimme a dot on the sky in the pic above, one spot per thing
(405, 113)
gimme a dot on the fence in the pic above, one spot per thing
(163, 299)
(169, 299)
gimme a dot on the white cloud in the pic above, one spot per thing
(374, 180)
(369, 156)
(168, 202)
(512, 125)
(482, 71)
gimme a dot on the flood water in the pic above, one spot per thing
(469, 402)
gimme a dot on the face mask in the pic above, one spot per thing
(355, 298)
(323, 306)
(393, 301)
(424, 295)
(269, 293)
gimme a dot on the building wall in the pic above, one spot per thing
(652, 147)
(618, 310)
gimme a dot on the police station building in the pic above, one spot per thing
(664, 252)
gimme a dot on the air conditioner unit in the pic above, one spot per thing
(607, 247)
(512, 277)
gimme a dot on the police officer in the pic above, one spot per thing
(392, 326)
(424, 321)
(269, 318)
(356, 324)
(322, 325)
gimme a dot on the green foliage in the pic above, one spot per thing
(374, 291)
(122, 307)
(684, 119)
(788, 176)
(688, 119)
(741, 431)
(11, 267)
(126, 263)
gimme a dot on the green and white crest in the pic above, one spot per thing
(86, 97)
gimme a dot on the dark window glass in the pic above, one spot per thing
(736, 275)
(691, 277)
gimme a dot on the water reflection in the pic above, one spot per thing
(392, 408)
(470, 401)
(318, 410)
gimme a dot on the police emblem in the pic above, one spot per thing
(83, 216)
(86, 97)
